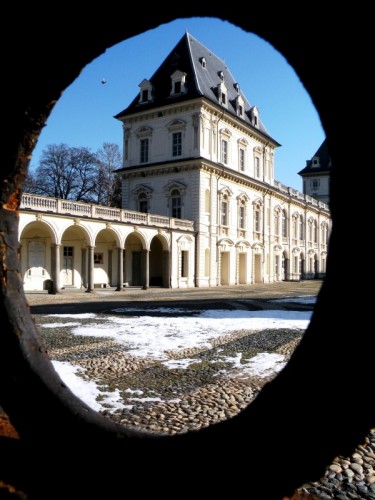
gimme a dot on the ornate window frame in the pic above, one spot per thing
(242, 146)
(170, 192)
(178, 83)
(142, 191)
(176, 127)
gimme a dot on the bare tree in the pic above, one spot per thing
(30, 184)
(108, 189)
(65, 172)
(78, 174)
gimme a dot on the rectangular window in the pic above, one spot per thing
(68, 251)
(284, 225)
(177, 87)
(144, 150)
(242, 160)
(295, 231)
(241, 217)
(184, 263)
(257, 167)
(98, 258)
(144, 95)
(301, 236)
(177, 144)
(224, 151)
(176, 207)
(315, 183)
(224, 213)
(143, 206)
(276, 225)
(257, 221)
(223, 98)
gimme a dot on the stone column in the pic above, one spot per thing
(56, 268)
(166, 270)
(120, 269)
(146, 267)
(90, 270)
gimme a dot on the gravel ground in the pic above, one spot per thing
(176, 400)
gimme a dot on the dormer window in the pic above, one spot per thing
(222, 94)
(239, 105)
(146, 92)
(221, 75)
(178, 80)
(202, 60)
(316, 162)
(254, 116)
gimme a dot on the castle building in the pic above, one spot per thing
(200, 204)
(316, 174)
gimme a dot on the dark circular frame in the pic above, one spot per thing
(301, 420)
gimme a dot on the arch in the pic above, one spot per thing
(36, 240)
(74, 256)
(107, 242)
(159, 261)
(134, 259)
(108, 233)
(156, 262)
(39, 220)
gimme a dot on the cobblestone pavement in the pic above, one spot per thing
(256, 291)
(175, 401)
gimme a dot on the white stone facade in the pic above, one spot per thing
(249, 228)
(200, 204)
(65, 245)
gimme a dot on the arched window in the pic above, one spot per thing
(142, 195)
(276, 222)
(301, 228)
(284, 224)
(225, 197)
(295, 227)
(224, 210)
(257, 207)
(242, 201)
(175, 192)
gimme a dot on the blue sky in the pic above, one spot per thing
(84, 115)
